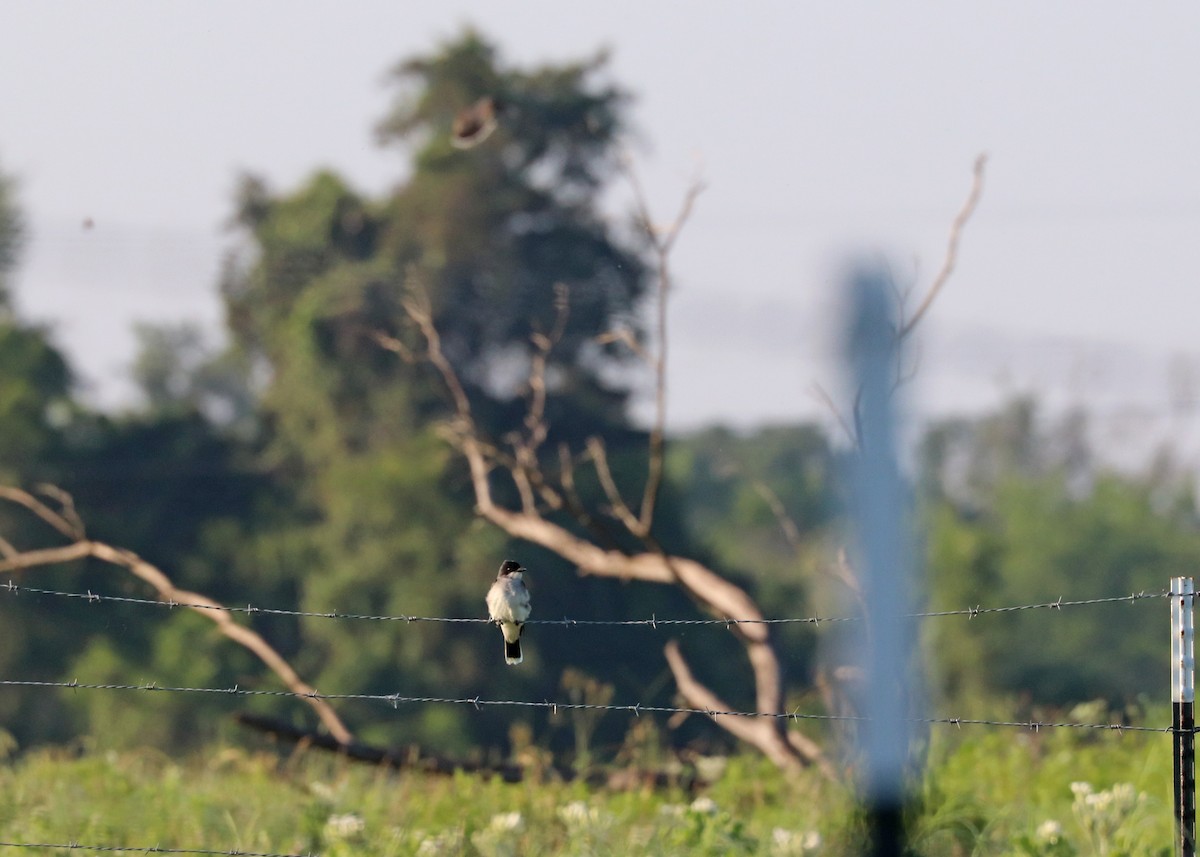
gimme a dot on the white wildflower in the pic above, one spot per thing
(577, 814)
(346, 826)
(574, 813)
(1124, 795)
(442, 843)
(506, 821)
(704, 806)
(1049, 832)
(710, 768)
(501, 838)
(1081, 789)
(787, 843)
(323, 792)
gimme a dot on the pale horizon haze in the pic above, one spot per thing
(824, 132)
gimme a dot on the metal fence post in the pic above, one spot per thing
(1183, 696)
(884, 549)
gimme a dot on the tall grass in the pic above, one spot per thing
(985, 791)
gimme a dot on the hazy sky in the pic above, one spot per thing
(822, 130)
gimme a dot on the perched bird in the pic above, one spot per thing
(508, 607)
(475, 123)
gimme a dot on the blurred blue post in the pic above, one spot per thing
(880, 505)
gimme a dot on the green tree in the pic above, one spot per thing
(314, 302)
(1050, 523)
(35, 413)
(179, 372)
(35, 384)
(167, 482)
(11, 233)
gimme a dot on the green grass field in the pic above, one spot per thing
(1000, 791)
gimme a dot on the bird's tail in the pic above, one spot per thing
(512, 652)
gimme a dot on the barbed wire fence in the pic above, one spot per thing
(880, 527)
(12, 588)
(395, 700)
(147, 849)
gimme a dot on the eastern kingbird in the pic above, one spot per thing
(508, 607)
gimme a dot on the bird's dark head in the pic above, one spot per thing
(509, 567)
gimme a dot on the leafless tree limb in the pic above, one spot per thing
(821, 393)
(788, 526)
(622, 512)
(713, 592)
(81, 548)
(625, 336)
(951, 257)
(757, 732)
(839, 571)
(391, 343)
(66, 507)
(23, 498)
(662, 240)
(574, 504)
(905, 328)
(46, 556)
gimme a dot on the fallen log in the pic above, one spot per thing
(414, 758)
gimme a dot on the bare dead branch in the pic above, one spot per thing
(821, 393)
(33, 504)
(765, 734)
(661, 241)
(419, 310)
(840, 570)
(46, 556)
(544, 343)
(786, 524)
(391, 343)
(526, 471)
(66, 507)
(713, 593)
(951, 257)
(625, 335)
(520, 476)
(574, 505)
(905, 327)
(622, 512)
(844, 573)
(168, 592)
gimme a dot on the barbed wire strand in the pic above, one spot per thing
(653, 622)
(637, 709)
(152, 849)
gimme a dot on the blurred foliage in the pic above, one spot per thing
(301, 466)
(350, 427)
(987, 791)
(35, 381)
(12, 231)
(762, 507)
(1020, 511)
